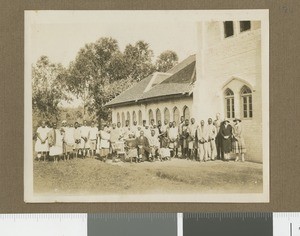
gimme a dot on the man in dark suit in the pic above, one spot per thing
(143, 147)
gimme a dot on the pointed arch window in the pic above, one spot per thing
(150, 116)
(229, 103)
(176, 115)
(158, 115)
(186, 112)
(167, 114)
(140, 118)
(246, 97)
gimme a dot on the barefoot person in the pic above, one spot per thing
(239, 147)
(226, 134)
(93, 133)
(103, 138)
(69, 141)
(85, 129)
(77, 138)
(55, 138)
(41, 145)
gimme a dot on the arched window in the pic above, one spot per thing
(128, 116)
(186, 112)
(140, 118)
(167, 114)
(229, 103)
(118, 117)
(133, 116)
(246, 97)
(176, 115)
(150, 116)
(158, 115)
(123, 119)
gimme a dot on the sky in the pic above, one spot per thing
(60, 34)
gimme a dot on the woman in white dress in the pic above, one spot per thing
(41, 144)
(103, 143)
(55, 137)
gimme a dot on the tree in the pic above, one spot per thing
(166, 60)
(139, 60)
(91, 67)
(48, 88)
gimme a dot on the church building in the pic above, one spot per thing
(225, 76)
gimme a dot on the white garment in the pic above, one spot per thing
(69, 135)
(173, 133)
(85, 131)
(57, 148)
(39, 146)
(153, 141)
(93, 133)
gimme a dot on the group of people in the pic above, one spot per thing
(211, 140)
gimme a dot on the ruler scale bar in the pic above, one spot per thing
(152, 224)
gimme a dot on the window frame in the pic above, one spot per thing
(246, 95)
(230, 98)
(240, 31)
(224, 30)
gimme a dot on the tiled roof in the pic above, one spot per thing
(177, 81)
(132, 94)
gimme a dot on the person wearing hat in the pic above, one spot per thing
(238, 140)
(226, 134)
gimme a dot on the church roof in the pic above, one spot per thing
(176, 81)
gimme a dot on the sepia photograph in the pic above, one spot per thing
(146, 106)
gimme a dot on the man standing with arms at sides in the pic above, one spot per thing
(93, 139)
(185, 141)
(180, 126)
(85, 137)
(211, 144)
(192, 128)
(120, 130)
(114, 137)
(103, 145)
(202, 141)
(217, 123)
(173, 137)
(77, 138)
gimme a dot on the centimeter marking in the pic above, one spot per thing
(133, 216)
(284, 223)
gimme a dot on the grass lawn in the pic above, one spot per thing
(91, 176)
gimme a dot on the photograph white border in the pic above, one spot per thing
(192, 15)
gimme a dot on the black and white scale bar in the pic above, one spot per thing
(151, 224)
